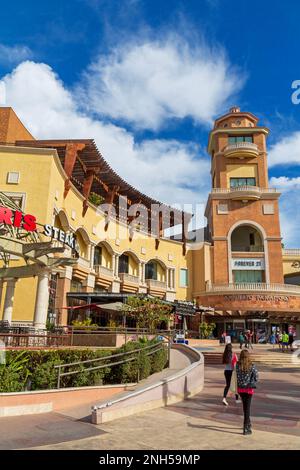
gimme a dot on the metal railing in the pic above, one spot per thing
(256, 286)
(135, 353)
(33, 340)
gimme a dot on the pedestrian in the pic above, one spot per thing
(285, 341)
(280, 339)
(273, 339)
(241, 340)
(229, 360)
(249, 339)
(247, 378)
(291, 339)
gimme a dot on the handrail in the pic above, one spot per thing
(155, 347)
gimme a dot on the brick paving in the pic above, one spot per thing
(201, 422)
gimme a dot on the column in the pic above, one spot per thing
(141, 272)
(1, 290)
(42, 299)
(117, 265)
(173, 278)
(9, 300)
(113, 263)
(92, 251)
(144, 273)
(169, 278)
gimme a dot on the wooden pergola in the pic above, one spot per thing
(90, 173)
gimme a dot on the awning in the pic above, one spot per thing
(116, 306)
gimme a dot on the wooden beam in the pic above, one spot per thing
(70, 160)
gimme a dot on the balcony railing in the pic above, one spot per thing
(154, 284)
(129, 278)
(291, 252)
(242, 189)
(241, 146)
(103, 270)
(247, 248)
(253, 287)
(83, 262)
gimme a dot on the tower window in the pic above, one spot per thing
(234, 139)
(236, 182)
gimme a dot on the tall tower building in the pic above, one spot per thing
(242, 210)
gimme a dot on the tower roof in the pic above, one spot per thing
(11, 128)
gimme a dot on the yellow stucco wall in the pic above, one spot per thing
(42, 181)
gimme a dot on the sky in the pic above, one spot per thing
(147, 78)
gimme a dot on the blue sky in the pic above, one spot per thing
(147, 78)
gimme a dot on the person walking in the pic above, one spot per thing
(229, 360)
(249, 339)
(280, 339)
(273, 339)
(241, 340)
(285, 341)
(291, 339)
(247, 378)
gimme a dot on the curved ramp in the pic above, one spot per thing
(184, 379)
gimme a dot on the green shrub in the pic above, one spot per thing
(35, 370)
(159, 361)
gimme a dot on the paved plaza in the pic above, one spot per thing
(201, 422)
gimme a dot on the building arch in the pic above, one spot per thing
(263, 235)
(156, 269)
(63, 220)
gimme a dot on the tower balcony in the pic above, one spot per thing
(246, 193)
(241, 150)
(257, 287)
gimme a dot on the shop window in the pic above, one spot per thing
(124, 264)
(184, 277)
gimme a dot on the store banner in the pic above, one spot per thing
(248, 264)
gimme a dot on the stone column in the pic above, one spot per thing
(92, 256)
(113, 263)
(144, 273)
(173, 279)
(42, 300)
(117, 266)
(9, 300)
(141, 272)
(1, 290)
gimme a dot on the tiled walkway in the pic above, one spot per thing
(202, 422)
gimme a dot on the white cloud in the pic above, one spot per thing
(286, 151)
(12, 55)
(165, 169)
(284, 183)
(289, 208)
(149, 82)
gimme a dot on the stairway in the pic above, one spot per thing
(268, 358)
